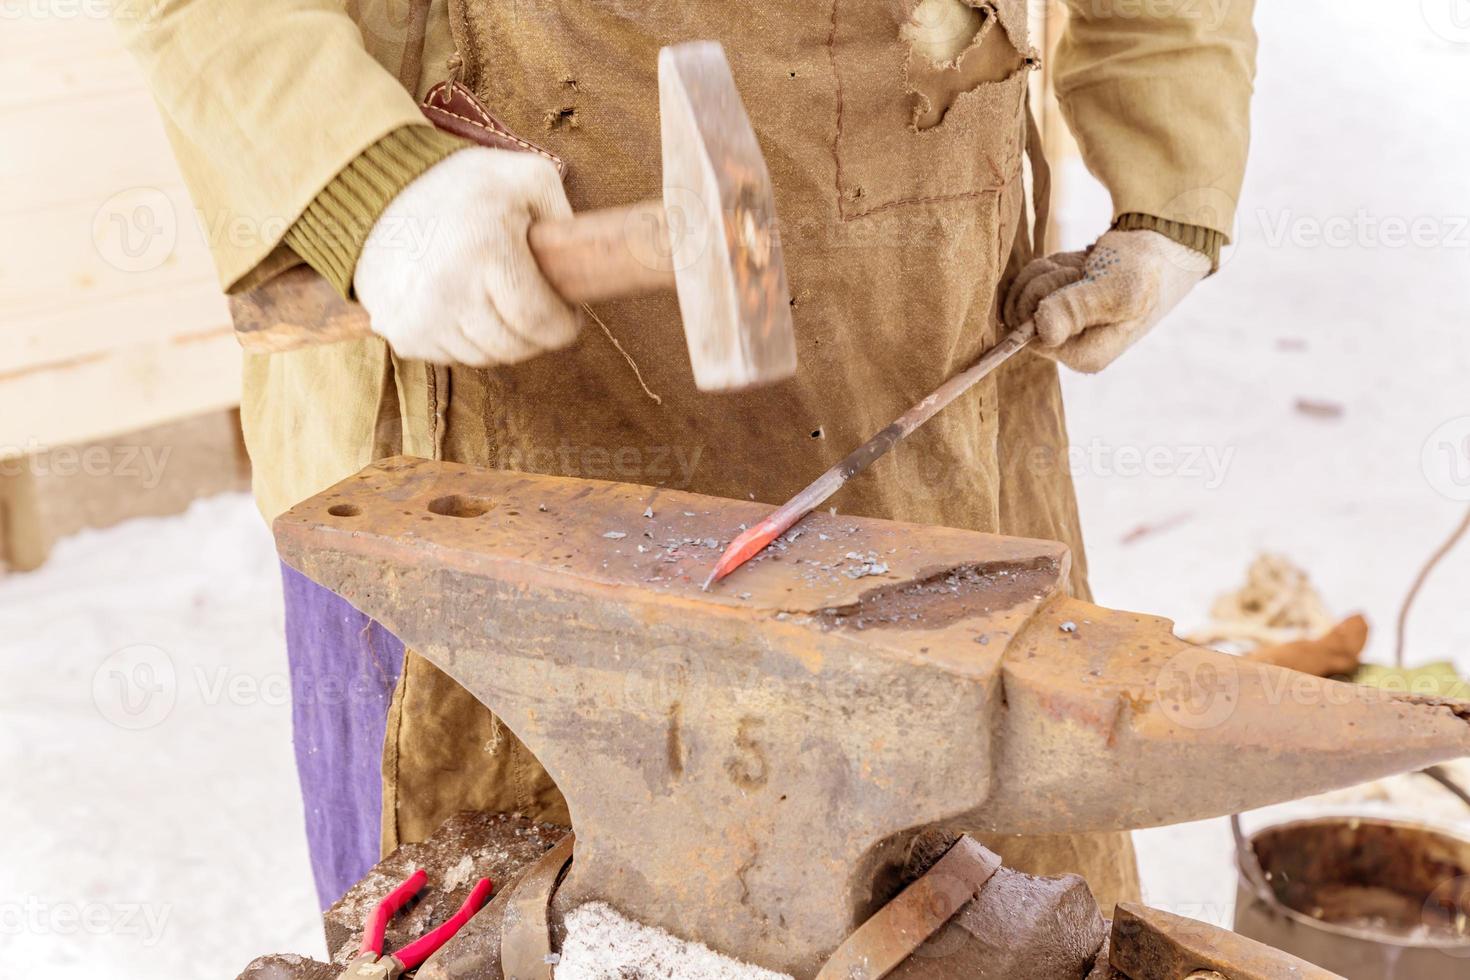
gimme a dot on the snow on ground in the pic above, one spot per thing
(1359, 131)
(603, 945)
(152, 825)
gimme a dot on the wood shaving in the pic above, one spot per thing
(1277, 604)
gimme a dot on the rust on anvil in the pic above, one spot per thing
(1148, 943)
(745, 767)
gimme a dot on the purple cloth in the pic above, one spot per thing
(344, 667)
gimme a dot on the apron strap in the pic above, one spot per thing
(1040, 183)
(410, 67)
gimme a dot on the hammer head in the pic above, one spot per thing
(721, 215)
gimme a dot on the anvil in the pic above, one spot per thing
(745, 767)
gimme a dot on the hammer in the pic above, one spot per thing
(712, 238)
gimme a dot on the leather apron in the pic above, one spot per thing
(897, 242)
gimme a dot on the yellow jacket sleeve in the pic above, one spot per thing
(264, 102)
(1157, 93)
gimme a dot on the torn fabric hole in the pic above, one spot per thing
(955, 46)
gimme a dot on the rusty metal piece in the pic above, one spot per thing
(1101, 968)
(525, 938)
(294, 309)
(1020, 927)
(875, 679)
(1374, 898)
(1148, 944)
(1122, 702)
(916, 913)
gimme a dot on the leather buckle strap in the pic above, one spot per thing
(899, 928)
(525, 937)
(452, 107)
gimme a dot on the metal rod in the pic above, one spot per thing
(752, 542)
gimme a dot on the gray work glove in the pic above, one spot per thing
(1089, 307)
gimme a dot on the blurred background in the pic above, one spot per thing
(1309, 403)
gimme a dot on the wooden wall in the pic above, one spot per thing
(111, 319)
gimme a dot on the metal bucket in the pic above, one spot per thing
(1370, 899)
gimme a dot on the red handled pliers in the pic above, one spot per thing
(371, 964)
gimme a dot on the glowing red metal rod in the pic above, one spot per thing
(750, 543)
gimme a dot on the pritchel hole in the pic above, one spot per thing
(458, 505)
(344, 510)
(819, 433)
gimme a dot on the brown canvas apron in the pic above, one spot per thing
(897, 241)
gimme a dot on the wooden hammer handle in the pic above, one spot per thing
(606, 254)
(595, 256)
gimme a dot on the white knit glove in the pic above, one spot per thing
(447, 273)
(1089, 307)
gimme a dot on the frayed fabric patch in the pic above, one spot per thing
(954, 48)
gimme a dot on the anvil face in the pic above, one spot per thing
(741, 765)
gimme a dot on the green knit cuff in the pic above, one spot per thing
(330, 234)
(1207, 241)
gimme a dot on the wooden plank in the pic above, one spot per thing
(86, 146)
(105, 394)
(70, 64)
(111, 318)
(51, 337)
(150, 473)
(52, 50)
(91, 280)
